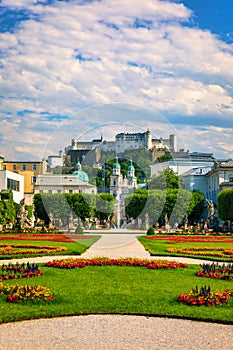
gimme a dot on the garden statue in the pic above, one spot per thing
(147, 220)
(22, 220)
(211, 211)
(186, 222)
(167, 225)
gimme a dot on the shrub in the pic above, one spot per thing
(150, 231)
(79, 229)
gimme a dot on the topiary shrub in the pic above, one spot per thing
(79, 229)
(93, 226)
(150, 231)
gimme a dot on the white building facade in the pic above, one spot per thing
(220, 177)
(181, 166)
(62, 183)
(12, 181)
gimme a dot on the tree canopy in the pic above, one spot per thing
(225, 205)
(166, 179)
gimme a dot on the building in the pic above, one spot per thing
(55, 161)
(195, 179)
(91, 150)
(77, 182)
(182, 165)
(219, 178)
(12, 181)
(120, 186)
(29, 170)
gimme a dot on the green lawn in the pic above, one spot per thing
(77, 247)
(118, 290)
(160, 248)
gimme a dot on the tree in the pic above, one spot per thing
(225, 205)
(166, 179)
(81, 204)
(104, 206)
(155, 204)
(7, 207)
(135, 203)
(196, 207)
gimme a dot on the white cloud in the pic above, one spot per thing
(169, 68)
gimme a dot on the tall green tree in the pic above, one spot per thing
(135, 203)
(104, 206)
(7, 207)
(166, 179)
(225, 205)
(196, 207)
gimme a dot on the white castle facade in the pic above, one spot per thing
(126, 141)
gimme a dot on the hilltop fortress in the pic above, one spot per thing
(123, 142)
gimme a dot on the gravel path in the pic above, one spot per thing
(115, 332)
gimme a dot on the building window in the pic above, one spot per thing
(4, 167)
(231, 179)
(70, 191)
(33, 166)
(24, 167)
(33, 179)
(14, 167)
(41, 191)
(13, 185)
(50, 191)
(80, 191)
(58, 191)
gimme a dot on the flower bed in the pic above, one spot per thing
(13, 271)
(178, 239)
(215, 270)
(18, 294)
(102, 261)
(15, 249)
(58, 237)
(205, 297)
(206, 251)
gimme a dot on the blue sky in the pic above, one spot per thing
(76, 69)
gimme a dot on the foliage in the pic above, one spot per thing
(13, 271)
(214, 270)
(79, 229)
(141, 161)
(196, 207)
(76, 247)
(225, 204)
(150, 231)
(29, 209)
(40, 211)
(158, 246)
(7, 207)
(204, 296)
(164, 158)
(222, 252)
(72, 263)
(104, 206)
(117, 290)
(17, 293)
(135, 203)
(28, 249)
(166, 179)
(157, 203)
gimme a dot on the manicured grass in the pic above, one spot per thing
(73, 248)
(160, 247)
(118, 290)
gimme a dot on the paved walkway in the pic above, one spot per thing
(115, 332)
